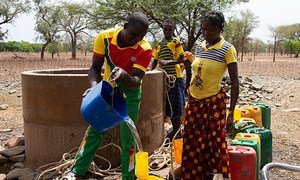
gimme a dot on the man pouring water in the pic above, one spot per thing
(125, 56)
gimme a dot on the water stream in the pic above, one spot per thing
(135, 134)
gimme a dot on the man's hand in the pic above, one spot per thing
(86, 92)
(117, 74)
(129, 81)
(162, 62)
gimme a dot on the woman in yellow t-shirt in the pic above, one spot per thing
(205, 150)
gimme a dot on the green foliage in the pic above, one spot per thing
(186, 13)
(73, 20)
(286, 32)
(36, 47)
(292, 47)
(238, 29)
(55, 48)
(256, 46)
(22, 46)
(10, 10)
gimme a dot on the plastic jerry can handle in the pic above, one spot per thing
(242, 150)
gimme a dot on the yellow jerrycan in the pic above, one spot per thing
(237, 114)
(142, 170)
(255, 113)
(178, 145)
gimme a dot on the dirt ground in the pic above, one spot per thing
(283, 76)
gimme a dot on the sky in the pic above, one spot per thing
(269, 12)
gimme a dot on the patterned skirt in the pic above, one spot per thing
(204, 140)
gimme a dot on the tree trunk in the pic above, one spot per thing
(74, 41)
(43, 50)
(242, 55)
(242, 49)
(190, 44)
(274, 48)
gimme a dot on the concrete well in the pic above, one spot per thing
(53, 124)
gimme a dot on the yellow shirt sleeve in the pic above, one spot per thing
(155, 53)
(231, 55)
(179, 51)
(99, 46)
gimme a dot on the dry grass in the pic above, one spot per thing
(11, 66)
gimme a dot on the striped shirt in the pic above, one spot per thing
(170, 50)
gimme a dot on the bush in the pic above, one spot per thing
(13, 46)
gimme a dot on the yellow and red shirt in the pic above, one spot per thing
(138, 56)
(209, 67)
(170, 49)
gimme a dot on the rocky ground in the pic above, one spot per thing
(277, 84)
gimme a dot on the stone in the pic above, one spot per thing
(247, 79)
(18, 158)
(2, 176)
(18, 165)
(253, 97)
(259, 95)
(4, 107)
(2, 149)
(268, 98)
(14, 151)
(16, 141)
(5, 130)
(250, 93)
(257, 87)
(27, 177)
(17, 172)
(3, 159)
(292, 110)
(12, 91)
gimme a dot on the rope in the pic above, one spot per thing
(64, 166)
(163, 156)
(170, 83)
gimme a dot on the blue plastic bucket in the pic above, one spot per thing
(104, 108)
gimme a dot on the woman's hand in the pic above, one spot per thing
(229, 124)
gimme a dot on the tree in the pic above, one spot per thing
(73, 20)
(186, 13)
(278, 35)
(239, 28)
(258, 46)
(10, 10)
(54, 48)
(282, 33)
(86, 44)
(292, 47)
(47, 17)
